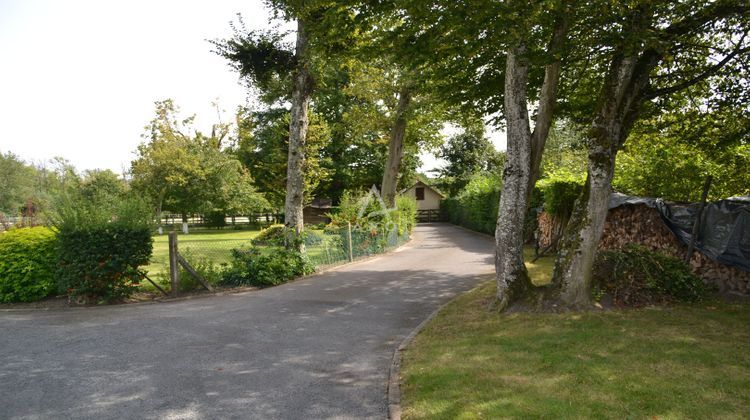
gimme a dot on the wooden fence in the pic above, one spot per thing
(429, 216)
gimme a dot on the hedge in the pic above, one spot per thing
(476, 206)
(100, 263)
(27, 264)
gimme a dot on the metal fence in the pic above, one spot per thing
(211, 251)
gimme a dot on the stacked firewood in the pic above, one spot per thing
(546, 229)
(640, 224)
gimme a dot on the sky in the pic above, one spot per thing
(78, 79)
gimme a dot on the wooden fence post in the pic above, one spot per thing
(351, 252)
(174, 268)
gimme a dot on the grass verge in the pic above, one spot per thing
(686, 361)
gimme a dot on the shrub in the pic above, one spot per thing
(211, 272)
(560, 194)
(476, 206)
(280, 235)
(215, 219)
(272, 235)
(405, 216)
(637, 276)
(347, 210)
(270, 268)
(27, 264)
(101, 247)
(366, 213)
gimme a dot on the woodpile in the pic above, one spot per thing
(640, 224)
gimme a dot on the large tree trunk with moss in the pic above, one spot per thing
(395, 150)
(512, 278)
(620, 101)
(295, 183)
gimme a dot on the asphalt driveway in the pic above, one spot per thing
(319, 347)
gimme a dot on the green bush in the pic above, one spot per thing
(365, 212)
(101, 247)
(476, 206)
(27, 264)
(637, 276)
(101, 263)
(280, 235)
(405, 215)
(272, 235)
(265, 268)
(212, 272)
(560, 194)
(215, 220)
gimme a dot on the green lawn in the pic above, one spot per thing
(215, 245)
(686, 361)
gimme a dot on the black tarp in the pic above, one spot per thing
(724, 233)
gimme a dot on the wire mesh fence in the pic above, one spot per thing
(211, 251)
(333, 247)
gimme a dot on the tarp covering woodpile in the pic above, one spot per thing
(724, 232)
(723, 242)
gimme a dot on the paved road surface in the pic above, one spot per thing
(315, 348)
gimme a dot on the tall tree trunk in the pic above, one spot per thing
(620, 101)
(395, 150)
(547, 101)
(295, 182)
(512, 278)
(521, 171)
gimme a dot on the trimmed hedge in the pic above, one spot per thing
(560, 195)
(101, 245)
(27, 264)
(100, 263)
(476, 206)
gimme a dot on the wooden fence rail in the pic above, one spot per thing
(428, 216)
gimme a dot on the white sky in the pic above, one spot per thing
(78, 78)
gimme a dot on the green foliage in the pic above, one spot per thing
(215, 219)
(467, 154)
(16, 183)
(637, 276)
(272, 235)
(27, 264)
(268, 267)
(263, 145)
(101, 247)
(366, 212)
(191, 173)
(565, 155)
(102, 185)
(261, 57)
(560, 194)
(347, 211)
(405, 215)
(212, 272)
(673, 165)
(476, 206)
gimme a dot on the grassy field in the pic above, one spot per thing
(216, 245)
(212, 244)
(686, 361)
